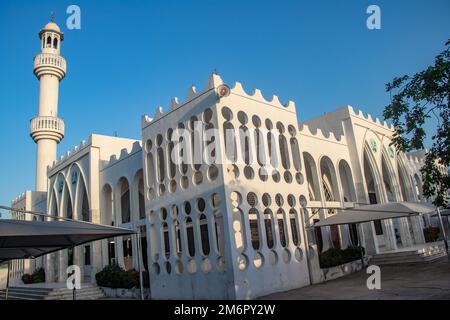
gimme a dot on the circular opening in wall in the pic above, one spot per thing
(150, 193)
(292, 130)
(235, 198)
(168, 267)
(179, 267)
(197, 178)
(258, 260)
(266, 199)
(273, 257)
(291, 200)
(192, 266)
(280, 127)
(242, 262)
(287, 177)
(163, 213)
(269, 125)
(207, 115)
(215, 200)
(184, 182)
(221, 265)
(148, 146)
(213, 172)
(175, 211)
(172, 186)
(161, 190)
(249, 173)
(233, 171)
(187, 207)
(276, 176)
(298, 254)
(279, 200)
(169, 134)
(201, 204)
(286, 256)
(242, 117)
(303, 201)
(206, 265)
(227, 113)
(299, 178)
(256, 121)
(159, 139)
(155, 268)
(252, 199)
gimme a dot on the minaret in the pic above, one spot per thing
(47, 130)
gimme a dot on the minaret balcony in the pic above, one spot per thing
(47, 128)
(48, 63)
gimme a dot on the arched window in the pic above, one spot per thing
(124, 200)
(55, 43)
(49, 42)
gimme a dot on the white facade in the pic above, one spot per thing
(232, 229)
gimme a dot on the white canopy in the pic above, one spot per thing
(379, 211)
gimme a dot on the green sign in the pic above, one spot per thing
(373, 145)
(74, 177)
(391, 152)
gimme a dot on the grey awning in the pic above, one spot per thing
(374, 212)
(25, 239)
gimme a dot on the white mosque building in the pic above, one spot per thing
(231, 229)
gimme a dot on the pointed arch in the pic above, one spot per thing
(311, 177)
(124, 204)
(347, 183)
(329, 181)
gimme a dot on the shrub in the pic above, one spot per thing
(352, 253)
(26, 278)
(38, 276)
(335, 257)
(431, 234)
(114, 276)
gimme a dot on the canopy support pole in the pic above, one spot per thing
(7, 280)
(443, 232)
(139, 256)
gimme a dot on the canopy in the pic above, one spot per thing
(379, 211)
(20, 239)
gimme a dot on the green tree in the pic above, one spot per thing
(415, 99)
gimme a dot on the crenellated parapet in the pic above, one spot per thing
(257, 95)
(368, 117)
(216, 83)
(305, 130)
(124, 154)
(70, 154)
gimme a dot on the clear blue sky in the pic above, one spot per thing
(131, 56)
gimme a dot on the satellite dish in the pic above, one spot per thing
(223, 91)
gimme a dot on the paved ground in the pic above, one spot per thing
(419, 281)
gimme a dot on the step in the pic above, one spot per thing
(68, 291)
(25, 294)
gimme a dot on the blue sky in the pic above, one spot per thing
(131, 56)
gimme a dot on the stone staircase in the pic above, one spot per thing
(87, 292)
(428, 253)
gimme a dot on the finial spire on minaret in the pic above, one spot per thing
(52, 16)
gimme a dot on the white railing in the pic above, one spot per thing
(47, 123)
(48, 59)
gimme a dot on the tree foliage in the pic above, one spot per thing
(415, 99)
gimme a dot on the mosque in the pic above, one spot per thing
(231, 215)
